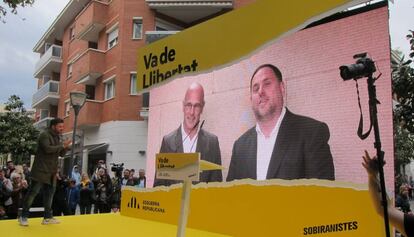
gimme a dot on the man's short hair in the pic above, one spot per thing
(275, 70)
(55, 121)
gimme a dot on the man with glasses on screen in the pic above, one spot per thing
(282, 145)
(191, 137)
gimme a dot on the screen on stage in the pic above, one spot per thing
(316, 135)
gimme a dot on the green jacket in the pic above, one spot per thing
(49, 148)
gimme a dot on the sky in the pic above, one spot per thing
(21, 32)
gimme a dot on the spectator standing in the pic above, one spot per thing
(6, 188)
(103, 190)
(19, 188)
(402, 199)
(72, 196)
(76, 174)
(60, 205)
(142, 180)
(87, 193)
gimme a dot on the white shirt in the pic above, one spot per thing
(265, 147)
(189, 144)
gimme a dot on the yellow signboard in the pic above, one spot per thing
(228, 38)
(178, 166)
(263, 208)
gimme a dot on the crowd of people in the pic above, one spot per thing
(98, 193)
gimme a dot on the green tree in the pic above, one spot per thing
(18, 136)
(13, 5)
(403, 88)
(403, 94)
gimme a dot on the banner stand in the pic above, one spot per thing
(185, 167)
(185, 203)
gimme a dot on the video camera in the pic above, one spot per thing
(117, 168)
(363, 67)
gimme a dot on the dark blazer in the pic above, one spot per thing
(207, 145)
(49, 148)
(301, 151)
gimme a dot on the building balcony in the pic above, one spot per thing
(91, 21)
(190, 11)
(43, 123)
(46, 95)
(89, 116)
(152, 36)
(49, 62)
(89, 66)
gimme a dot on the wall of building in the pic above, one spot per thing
(125, 139)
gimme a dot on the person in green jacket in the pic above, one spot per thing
(43, 175)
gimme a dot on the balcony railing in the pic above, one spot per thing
(152, 36)
(47, 95)
(43, 123)
(91, 21)
(49, 62)
(89, 66)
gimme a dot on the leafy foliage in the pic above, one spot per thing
(13, 5)
(17, 134)
(403, 91)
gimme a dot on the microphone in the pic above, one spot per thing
(201, 126)
(191, 131)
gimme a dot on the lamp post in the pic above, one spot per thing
(77, 100)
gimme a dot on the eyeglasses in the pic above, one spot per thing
(197, 106)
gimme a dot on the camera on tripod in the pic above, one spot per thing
(363, 67)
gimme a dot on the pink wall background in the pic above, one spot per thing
(309, 61)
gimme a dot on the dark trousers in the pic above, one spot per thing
(34, 188)
(85, 209)
(102, 207)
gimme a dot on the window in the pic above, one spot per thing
(46, 79)
(113, 38)
(69, 69)
(161, 25)
(67, 108)
(109, 88)
(71, 33)
(133, 90)
(92, 45)
(137, 28)
(90, 92)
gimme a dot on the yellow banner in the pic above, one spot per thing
(263, 208)
(227, 38)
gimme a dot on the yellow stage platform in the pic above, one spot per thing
(101, 225)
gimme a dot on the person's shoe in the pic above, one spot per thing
(50, 221)
(23, 221)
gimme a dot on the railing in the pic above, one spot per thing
(91, 21)
(90, 64)
(152, 36)
(53, 53)
(89, 116)
(51, 88)
(42, 123)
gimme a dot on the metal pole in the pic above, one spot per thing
(72, 150)
(377, 144)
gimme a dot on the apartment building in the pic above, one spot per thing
(91, 47)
